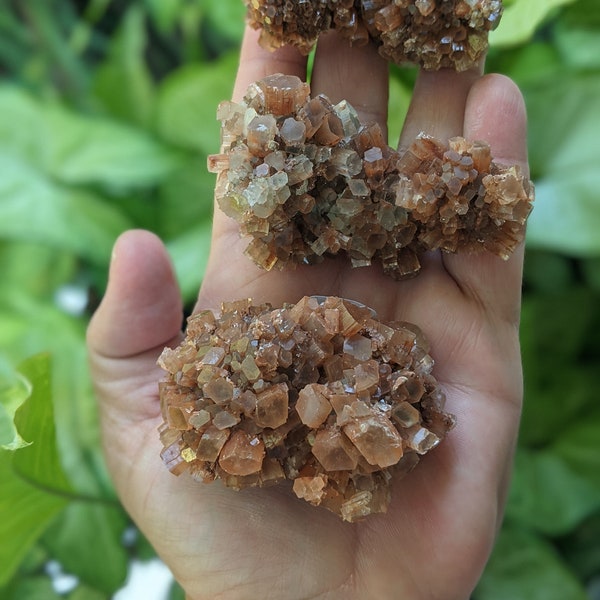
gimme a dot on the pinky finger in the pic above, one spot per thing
(495, 113)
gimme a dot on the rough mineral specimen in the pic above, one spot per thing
(321, 393)
(430, 33)
(305, 179)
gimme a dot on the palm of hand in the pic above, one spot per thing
(436, 536)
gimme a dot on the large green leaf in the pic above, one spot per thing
(185, 199)
(399, 100)
(26, 507)
(31, 588)
(579, 46)
(225, 17)
(84, 592)
(85, 536)
(24, 514)
(560, 381)
(35, 208)
(164, 13)
(189, 253)
(565, 153)
(547, 495)
(581, 548)
(521, 19)
(79, 149)
(86, 150)
(39, 463)
(14, 390)
(525, 567)
(28, 326)
(579, 447)
(567, 213)
(35, 269)
(124, 82)
(547, 272)
(187, 104)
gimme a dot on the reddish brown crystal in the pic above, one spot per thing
(310, 181)
(430, 33)
(320, 392)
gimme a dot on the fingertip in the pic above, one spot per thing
(437, 107)
(142, 306)
(495, 112)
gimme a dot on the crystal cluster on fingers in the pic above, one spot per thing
(305, 179)
(429, 33)
(321, 393)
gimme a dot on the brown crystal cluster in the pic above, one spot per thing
(320, 392)
(305, 179)
(430, 33)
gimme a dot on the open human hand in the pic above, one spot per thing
(265, 543)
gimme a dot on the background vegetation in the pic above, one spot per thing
(106, 117)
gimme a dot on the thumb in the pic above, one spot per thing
(140, 313)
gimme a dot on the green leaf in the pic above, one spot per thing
(35, 208)
(537, 61)
(86, 150)
(164, 13)
(560, 381)
(35, 269)
(565, 153)
(581, 548)
(189, 253)
(29, 326)
(548, 272)
(25, 128)
(557, 137)
(225, 17)
(546, 495)
(185, 199)
(84, 592)
(591, 272)
(579, 447)
(176, 592)
(398, 103)
(34, 561)
(579, 47)
(525, 567)
(27, 474)
(85, 536)
(31, 588)
(123, 82)
(78, 149)
(14, 390)
(521, 19)
(187, 104)
(39, 463)
(567, 213)
(25, 512)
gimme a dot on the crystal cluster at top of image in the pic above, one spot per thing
(430, 33)
(321, 393)
(305, 179)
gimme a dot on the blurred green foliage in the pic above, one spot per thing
(107, 118)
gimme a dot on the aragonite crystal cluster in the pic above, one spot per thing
(305, 179)
(430, 33)
(321, 393)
